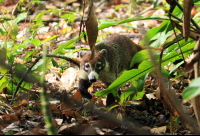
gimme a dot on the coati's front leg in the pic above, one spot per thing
(83, 87)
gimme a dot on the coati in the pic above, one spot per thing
(112, 56)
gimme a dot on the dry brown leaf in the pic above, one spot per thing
(188, 4)
(23, 103)
(9, 118)
(73, 114)
(77, 96)
(92, 28)
(100, 102)
(55, 109)
(55, 123)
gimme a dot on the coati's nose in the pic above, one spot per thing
(92, 78)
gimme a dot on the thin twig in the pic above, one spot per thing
(193, 22)
(177, 38)
(182, 22)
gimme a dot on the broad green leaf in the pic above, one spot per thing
(120, 6)
(36, 1)
(104, 92)
(142, 55)
(139, 56)
(50, 38)
(14, 30)
(20, 7)
(3, 70)
(193, 89)
(158, 35)
(177, 65)
(40, 15)
(69, 17)
(36, 42)
(2, 32)
(55, 64)
(65, 45)
(155, 3)
(27, 56)
(165, 72)
(20, 17)
(38, 66)
(139, 95)
(127, 93)
(10, 132)
(112, 107)
(140, 85)
(182, 43)
(107, 23)
(11, 59)
(3, 82)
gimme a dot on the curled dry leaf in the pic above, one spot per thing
(189, 67)
(188, 4)
(77, 96)
(92, 28)
(192, 34)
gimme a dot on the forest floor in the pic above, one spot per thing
(142, 116)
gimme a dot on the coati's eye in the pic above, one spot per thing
(98, 65)
(87, 66)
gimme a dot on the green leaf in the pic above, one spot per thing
(36, 42)
(40, 15)
(20, 17)
(3, 82)
(20, 6)
(50, 38)
(140, 85)
(112, 107)
(142, 55)
(193, 89)
(165, 72)
(139, 95)
(177, 65)
(2, 32)
(155, 3)
(55, 64)
(69, 17)
(104, 92)
(14, 30)
(11, 59)
(158, 35)
(107, 23)
(10, 132)
(27, 56)
(65, 45)
(127, 93)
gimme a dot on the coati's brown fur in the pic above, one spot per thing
(112, 56)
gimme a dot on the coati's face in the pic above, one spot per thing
(94, 67)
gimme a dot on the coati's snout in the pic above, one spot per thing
(94, 66)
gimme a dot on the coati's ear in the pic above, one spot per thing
(81, 53)
(104, 52)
